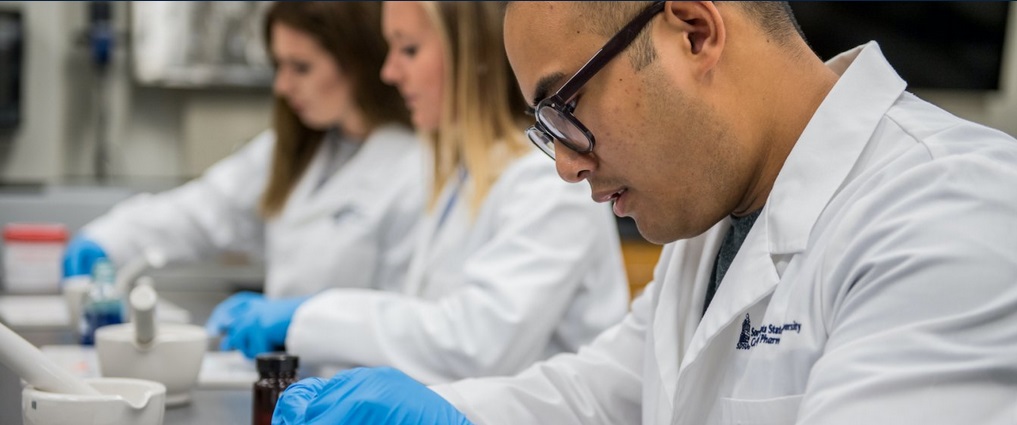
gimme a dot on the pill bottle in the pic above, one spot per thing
(33, 256)
(276, 371)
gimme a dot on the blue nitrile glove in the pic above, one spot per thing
(261, 327)
(80, 255)
(228, 311)
(364, 396)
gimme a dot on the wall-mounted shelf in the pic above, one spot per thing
(199, 44)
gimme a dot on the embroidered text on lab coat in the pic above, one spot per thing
(764, 334)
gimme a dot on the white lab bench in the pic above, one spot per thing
(196, 289)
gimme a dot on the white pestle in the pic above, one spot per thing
(126, 275)
(38, 370)
(142, 300)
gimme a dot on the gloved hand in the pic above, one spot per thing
(254, 324)
(364, 396)
(227, 312)
(80, 255)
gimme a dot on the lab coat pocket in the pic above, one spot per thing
(770, 411)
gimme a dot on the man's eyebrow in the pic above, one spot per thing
(544, 86)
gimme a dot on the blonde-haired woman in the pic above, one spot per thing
(513, 265)
(330, 198)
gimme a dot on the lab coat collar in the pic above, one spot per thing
(358, 179)
(830, 145)
(385, 144)
(751, 278)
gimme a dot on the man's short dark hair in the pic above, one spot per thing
(775, 18)
(605, 18)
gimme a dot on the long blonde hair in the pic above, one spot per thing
(483, 111)
(351, 33)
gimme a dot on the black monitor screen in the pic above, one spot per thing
(10, 69)
(944, 45)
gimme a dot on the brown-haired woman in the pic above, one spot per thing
(330, 198)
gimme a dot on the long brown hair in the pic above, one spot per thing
(483, 112)
(351, 33)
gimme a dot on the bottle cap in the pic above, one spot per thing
(277, 363)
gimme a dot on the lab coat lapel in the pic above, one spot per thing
(436, 238)
(679, 303)
(751, 279)
(421, 255)
(301, 200)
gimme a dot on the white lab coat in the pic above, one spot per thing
(355, 229)
(877, 286)
(538, 271)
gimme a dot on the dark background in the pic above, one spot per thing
(10, 69)
(941, 45)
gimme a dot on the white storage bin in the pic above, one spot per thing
(33, 253)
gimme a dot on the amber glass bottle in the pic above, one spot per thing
(276, 372)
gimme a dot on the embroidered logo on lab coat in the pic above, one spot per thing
(764, 334)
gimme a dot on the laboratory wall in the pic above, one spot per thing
(151, 132)
(996, 109)
(165, 133)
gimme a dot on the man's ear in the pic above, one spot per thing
(700, 30)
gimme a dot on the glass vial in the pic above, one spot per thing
(276, 371)
(102, 305)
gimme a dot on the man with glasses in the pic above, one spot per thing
(838, 251)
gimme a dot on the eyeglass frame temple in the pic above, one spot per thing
(615, 45)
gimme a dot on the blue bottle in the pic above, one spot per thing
(102, 305)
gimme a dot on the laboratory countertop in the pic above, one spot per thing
(207, 406)
(226, 407)
(214, 403)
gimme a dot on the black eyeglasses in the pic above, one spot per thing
(555, 121)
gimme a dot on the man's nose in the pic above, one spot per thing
(572, 166)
